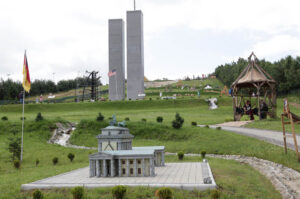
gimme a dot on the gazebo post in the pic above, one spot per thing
(258, 101)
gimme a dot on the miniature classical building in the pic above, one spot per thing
(117, 157)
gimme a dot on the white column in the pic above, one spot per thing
(98, 168)
(112, 168)
(143, 166)
(162, 158)
(91, 168)
(135, 167)
(127, 167)
(151, 167)
(104, 168)
(120, 167)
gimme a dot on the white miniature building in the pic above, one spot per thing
(117, 157)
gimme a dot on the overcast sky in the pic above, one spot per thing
(182, 37)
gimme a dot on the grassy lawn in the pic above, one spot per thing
(235, 180)
(275, 124)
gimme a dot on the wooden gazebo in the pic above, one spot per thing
(254, 82)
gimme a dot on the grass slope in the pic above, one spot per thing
(235, 180)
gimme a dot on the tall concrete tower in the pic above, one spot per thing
(116, 59)
(135, 55)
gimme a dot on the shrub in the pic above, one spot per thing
(215, 194)
(100, 117)
(39, 117)
(180, 155)
(150, 98)
(71, 156)
(178, 122)
(206, 126)
(127, 119)
(144, 120)
(77, 192)
(21, 118)
(164, 193)
(17, 164)
(159, 119)
(55, 160)
(4, 118)
(118, 192)
(203, 153)
(194, 123)
(37, 194)
(219, 128)
(14, 147)
(37, 162)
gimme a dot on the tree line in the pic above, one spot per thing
(10, 90)
(286, 72)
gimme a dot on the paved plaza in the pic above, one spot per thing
(177, 175)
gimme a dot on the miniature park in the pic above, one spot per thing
(233, 133)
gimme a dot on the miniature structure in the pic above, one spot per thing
(117, 157)
(254, 81)
(294, 119)
(93, 81)
(116, 59)
(135, 55)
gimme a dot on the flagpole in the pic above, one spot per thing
(116, 86)
(22, 126)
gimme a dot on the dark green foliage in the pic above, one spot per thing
(180, 155)
(164, 193)
(17, 164)
(127, 119)
(4, 118)
(150, 98)
(78, 192)
(10, 90)
(286, 72)
(215, 194)
(203, 153)
(55, 160)
(100, 117)
(219, 128)
(37, 162)
(118, 192)
(207, 126)
(37, 194)
(71, 156)
(144, 120)
(194, 123)
(21, 118)
(14, 147)
(178, 122)
(159, 119)
(39, 117)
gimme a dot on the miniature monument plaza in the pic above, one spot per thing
(118, 163)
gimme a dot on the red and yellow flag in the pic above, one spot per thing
(26, 76)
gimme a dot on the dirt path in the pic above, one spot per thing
(284, 179)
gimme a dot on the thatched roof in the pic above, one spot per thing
(252, 75)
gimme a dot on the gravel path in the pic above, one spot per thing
(273, 137)
(284, 179)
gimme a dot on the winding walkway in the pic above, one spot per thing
(273, 137)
